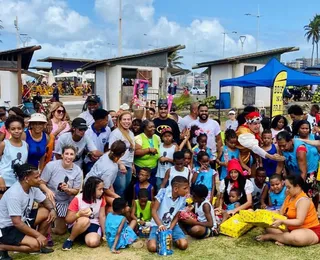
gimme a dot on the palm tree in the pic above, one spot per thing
(312, 34)
(317, 22)
(1, 27)
(174, 60)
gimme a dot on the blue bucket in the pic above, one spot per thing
(225, 98)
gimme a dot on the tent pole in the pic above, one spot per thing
(271, 90)
(219, 101)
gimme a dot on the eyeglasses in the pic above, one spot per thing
(60, 111)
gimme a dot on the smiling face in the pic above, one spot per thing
(92, 106)
(59, 113)
(37, 127)
(16, 129)
(234, 174)
(68, 156)
(125, 121)
(203, 113)
(276, 185)
(202, 141)
(187, 159)
(280, 124)
(163, 112)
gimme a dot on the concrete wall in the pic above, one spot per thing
(8, 88)
(101, 84)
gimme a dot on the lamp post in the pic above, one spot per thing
(224, 41)
(120, 30)
(242, 39)
(258, 26)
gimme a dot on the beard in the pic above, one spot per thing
(204, 117)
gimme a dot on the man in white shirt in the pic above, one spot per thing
(188, 119)
(312, 115)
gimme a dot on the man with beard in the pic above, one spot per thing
(163, 121)
(93, 103)
(210, 127)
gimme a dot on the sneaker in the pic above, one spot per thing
(45, 250)
(4, 255)
(67, 245)
(50, 241)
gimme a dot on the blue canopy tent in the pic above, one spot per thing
(265, 76)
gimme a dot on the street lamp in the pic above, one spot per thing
(24, 39)
(258, 26)
(224, 41)
(242, 39)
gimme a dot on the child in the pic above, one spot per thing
(204, 174)
(141, 209)
(165, 212)
(277, 193)
(13, 151)
(205, 225)
(202, 139)
(269, 165)
(234, 198)
(119, 233)
(232, 122)
(188, 159)
(177, 170)
(258, 187)
(143, 183)
(167, 149)
(229, 152)
(278, 124)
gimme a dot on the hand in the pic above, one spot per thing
(162, 228)
(52, 216)
(203, 167)
(187, 134)
(64, 187)
(51, 196)
(85, 212)
(142, 222)
(122, 168)
(163, 159)
(2, 184)
(114, 251)
(133, 170)
(42, 240)
(263, 206)
(231, 212)
(62, 125)
(276, 223)
(278, 157)
(153, 151)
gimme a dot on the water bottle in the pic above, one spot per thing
(226, 155)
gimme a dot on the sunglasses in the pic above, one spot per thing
(60, 111)
(82, 129)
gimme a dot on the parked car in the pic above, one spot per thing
(197, 91)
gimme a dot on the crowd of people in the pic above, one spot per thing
(108, 176)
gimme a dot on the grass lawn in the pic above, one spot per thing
(221, 247)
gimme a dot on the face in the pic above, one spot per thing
(37, 127)
(153, 104)
(151, 114)
(196, 199)
(254, 127)
(150, 129)
(179, 164)
(103, 122)
(92, 106)
(295, 117)
(232, 142)
(233, 196)
(260, 177)
(280, 124)
(126, 121)
(136, 127)
(167, 138)
(203, 113)
(114, 117)
(194, 109)
(143, 201)
(276, 185)
(267, 139)
(313, 111)
(99, 190)
(182, 190)
(15, 129)
(292, 191)
(163, 112)
(3, 115)
(143, 176)
(205, 161)
(79, 132)
(202, 142)
(187, 159)
(34, 179)
(232, 116)
(68, 156)
(234, 174)
(285, 146)
(59, 113)
(304, 130)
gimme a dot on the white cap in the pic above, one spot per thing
(124, 106)
(232, 112)
(38, 117)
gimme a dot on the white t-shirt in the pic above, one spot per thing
(257, 192)
(104, 169)
(185, 122)
(312, 120)
(127, 158)
(212, 129)
(200, 213)
(89, 119)
(15, 202)
(85, 142)
(248, 188)
(174, 173)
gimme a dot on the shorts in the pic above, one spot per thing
(316, 230)
(93, 228)
(177, 233)
(13, 236)
(207, 233)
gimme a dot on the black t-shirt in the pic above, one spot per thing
(160, 124)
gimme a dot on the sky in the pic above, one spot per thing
(89, 28)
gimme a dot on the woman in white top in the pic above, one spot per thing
(13, 151)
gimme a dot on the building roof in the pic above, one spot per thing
(169, 49)
(237, 59)
(52, 59)
(40, 68)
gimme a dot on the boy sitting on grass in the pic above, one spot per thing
(168, 203)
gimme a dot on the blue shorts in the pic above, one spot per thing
(177, 233)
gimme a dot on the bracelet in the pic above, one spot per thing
(161, 226)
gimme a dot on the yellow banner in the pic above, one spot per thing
(279, 84)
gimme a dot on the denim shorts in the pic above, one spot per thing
(177, 233)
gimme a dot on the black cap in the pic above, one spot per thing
(79, 123)
(163, 103)
(93, 98)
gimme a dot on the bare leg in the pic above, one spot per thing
(60, 226)
(28, 245)
(197, 231)
(92, 240)
(182, 243)
(79, 227)
(152, 246)
(41, 221)
(133, 224)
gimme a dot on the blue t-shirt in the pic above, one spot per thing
(205, 177)
(231, 155)
(277, 199)
(270, 165)
(291, 161)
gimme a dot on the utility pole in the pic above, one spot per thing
(120, 30)
(16, 25)
(258, 15)
(242, 39)
(224, 41)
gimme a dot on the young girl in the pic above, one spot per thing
(276, 194)
(229, 152)
(143, 183)
(204, 174)
(13, 151)
(86, 215)
(188, 159)
(119, 233)
(278, 124)
(202, 139)
(234, 197)
(205, 225)
(167, 149)
(269, 165)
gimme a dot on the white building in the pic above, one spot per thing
(236, 67)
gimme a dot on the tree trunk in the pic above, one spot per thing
(312, 54)
(317, 54)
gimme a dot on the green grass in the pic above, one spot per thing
(221, 247)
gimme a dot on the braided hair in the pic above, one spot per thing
(89, 189)
(24, 170)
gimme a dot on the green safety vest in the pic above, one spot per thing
(146, 212)
(148, 160)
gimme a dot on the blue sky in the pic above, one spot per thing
(75, 28)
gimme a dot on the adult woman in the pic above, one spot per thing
(235, 179)
(24, 228)
(86, 215)
(126, 166)
(278, 124)
(37, 140)
(147, 150)
(61, 181)
(302, 219)
(58, 123)
(136, 126)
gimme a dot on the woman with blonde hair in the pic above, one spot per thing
(126, 166)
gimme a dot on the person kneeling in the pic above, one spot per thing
(23, 228)
(168, 203)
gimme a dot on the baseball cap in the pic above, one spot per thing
(93, 98)
(79, 123)
(167, 129)
(163, 103)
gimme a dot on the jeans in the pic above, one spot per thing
(122, 182)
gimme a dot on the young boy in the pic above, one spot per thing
(258, 187)
(168, 203)
(177, 170)
(143, 183)
(232, 122)
(269, 165)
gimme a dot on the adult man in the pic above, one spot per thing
(210, 127)
(163, 121)
(55, 93)
(93, 103)
(295, 112)
(188, 119)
